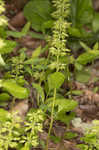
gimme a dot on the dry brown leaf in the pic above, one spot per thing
(96, 4)
(19, 4)
(89, 108)
(93, 98)
(79, 86)
(88, 97)
(70, 145)
(59, 131)
(18, 20)
(31, 43)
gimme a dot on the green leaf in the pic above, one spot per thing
(88, 57)
(83, 146)
(26, 28)
(78, 66)
(55, 139)
(55, 80)
(81, 12)
(85, 46)
(36, 52)
(82, 76)
(26, 147)
(65, 118)
(14, 89)
(17, 34)
(39, 90)
(96, 46)
(8, 47)
(37, 12)
(74, 32)
(0, 83)
(77, 92)
(34, 61)
(70, 135)
(2, 32)
(48, 24)
(2, 63)
(4, 97)
(37, 35)
(65, 105)
(3, 115)
(95, 23)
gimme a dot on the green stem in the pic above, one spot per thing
(52, 111)
(13, 102)
(52, 119)
(38, 99)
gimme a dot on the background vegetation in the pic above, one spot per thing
(49, 78)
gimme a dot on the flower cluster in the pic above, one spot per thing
(33, 125)
(58, 43)
(3, 19)
(9, 134)
(12, 130)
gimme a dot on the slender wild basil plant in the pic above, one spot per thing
(58, 44)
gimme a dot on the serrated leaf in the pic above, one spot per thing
(55, 80)
(39, 90)
(14, 89)
(37, 12)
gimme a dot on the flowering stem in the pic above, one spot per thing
(52, 119)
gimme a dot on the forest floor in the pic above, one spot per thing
(88, 99)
